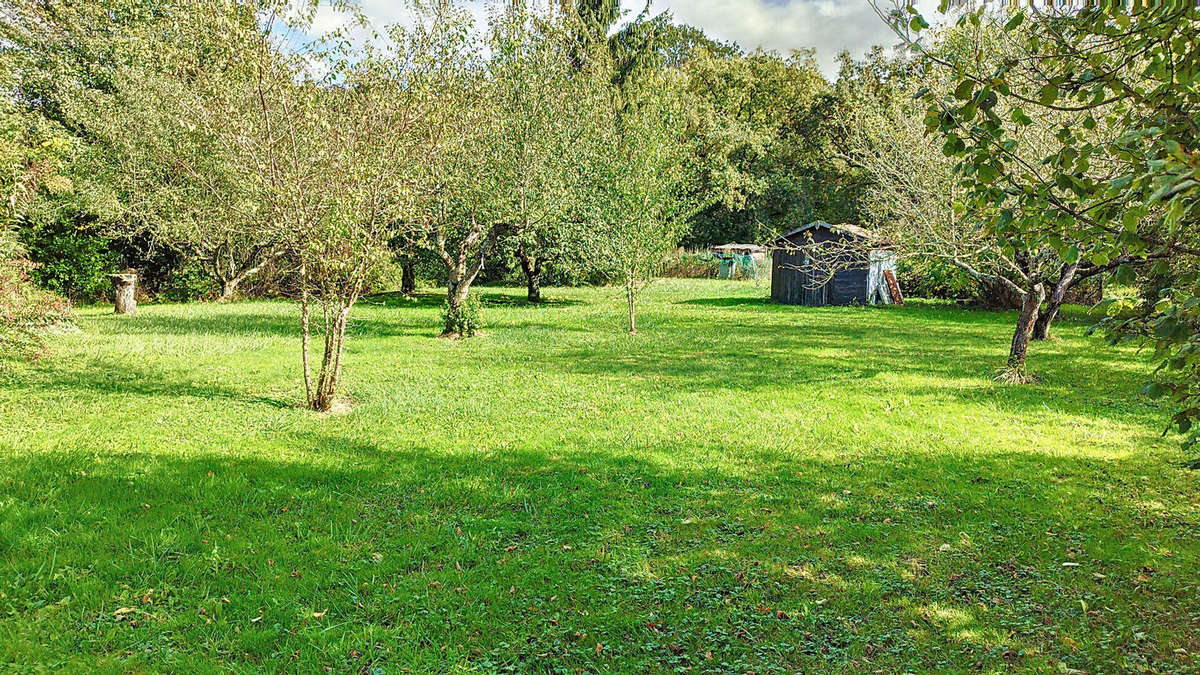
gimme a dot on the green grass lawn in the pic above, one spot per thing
(741, 487)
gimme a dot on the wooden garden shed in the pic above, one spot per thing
(821, 264)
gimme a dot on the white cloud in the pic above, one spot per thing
(829, 26)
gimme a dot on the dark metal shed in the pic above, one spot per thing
(822, 264)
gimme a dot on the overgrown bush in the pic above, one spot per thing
(25, 311)
(71, 260)
(185, 283)
(691, 265)
(923, 278)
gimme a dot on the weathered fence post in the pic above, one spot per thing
(125, 286)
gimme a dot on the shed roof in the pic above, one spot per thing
(748, 248)
(844, 228)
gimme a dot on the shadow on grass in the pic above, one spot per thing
(498, 299)
(508, 556)
(242, 323)
(729, 302)
(398, 300)
(491, 297)
(110, 377)
(223, 320)
(236, 319)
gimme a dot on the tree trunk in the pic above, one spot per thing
(1066, 280)
(533, 275)
(228, 289)
(331, 362)
(462, 270)
(1028, 316)
(632, 300)
(305, 332)
(1041, 329)
(456, 296)
(408, 278)
(125, 290)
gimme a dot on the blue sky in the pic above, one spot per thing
(829, 26)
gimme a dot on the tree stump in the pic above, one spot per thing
(124, 287)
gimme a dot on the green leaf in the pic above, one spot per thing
(964, 90)
(1015, 21)
(1048, 94)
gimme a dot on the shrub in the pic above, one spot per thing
(691, 265)
(937, 279)
(185, 283)
(25, 311)
(71, 261)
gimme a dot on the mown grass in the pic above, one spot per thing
(741, 487)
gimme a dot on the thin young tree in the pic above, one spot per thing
(640, 192)
(331, 160)
(365, 129)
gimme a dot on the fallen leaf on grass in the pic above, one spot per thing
(318, 615)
